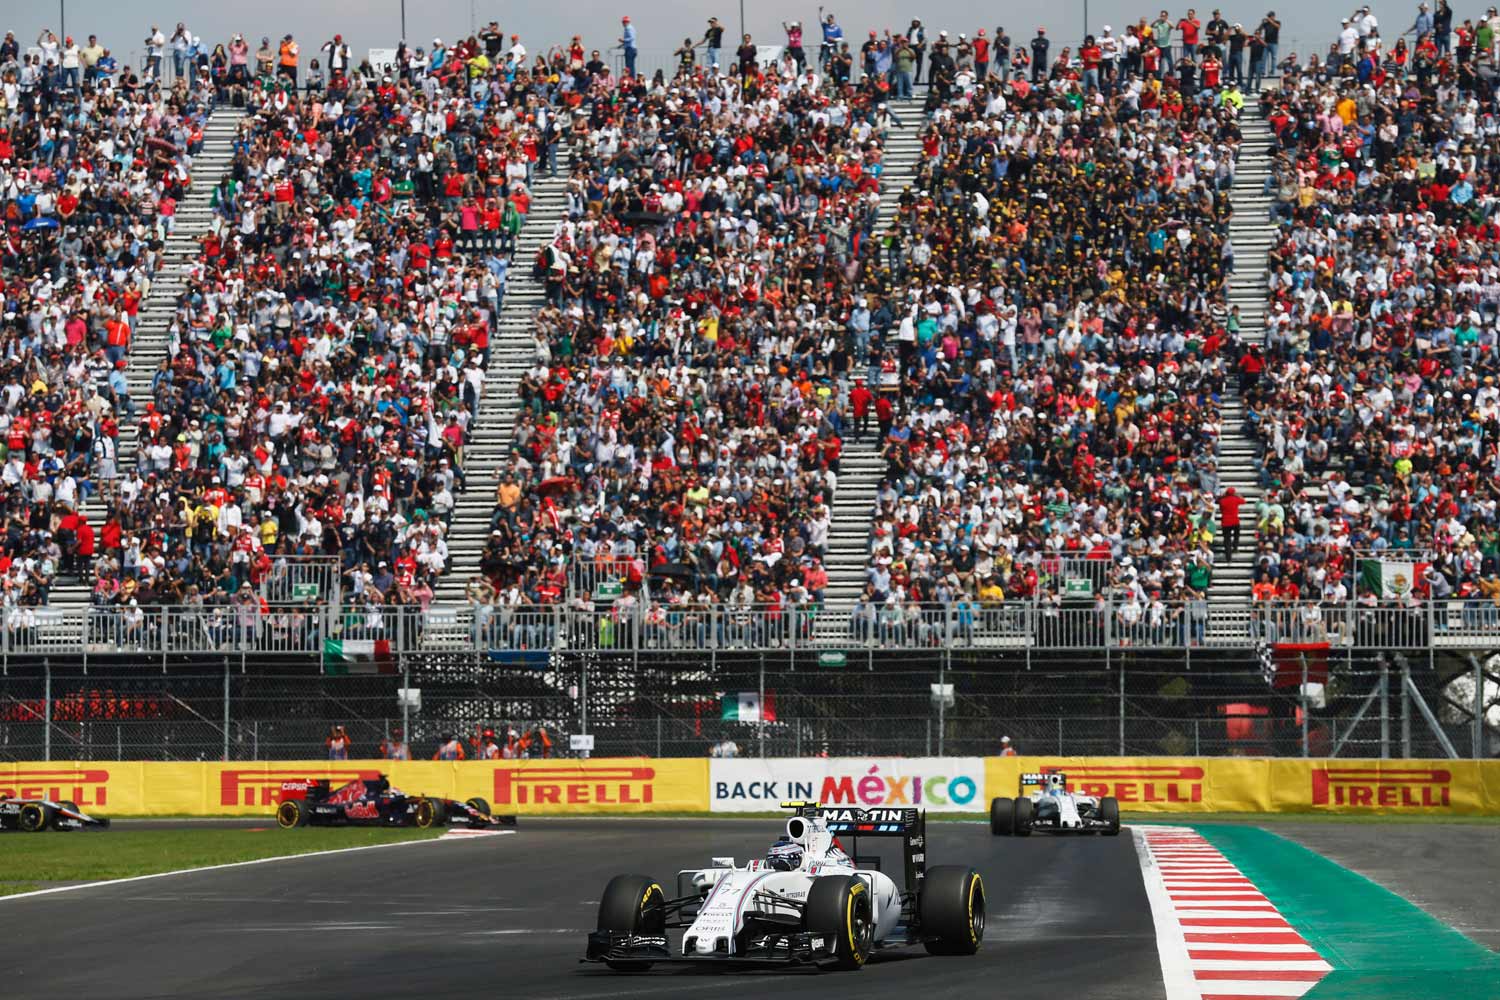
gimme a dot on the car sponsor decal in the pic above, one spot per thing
(1217, 934)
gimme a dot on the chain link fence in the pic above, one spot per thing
(667, 704)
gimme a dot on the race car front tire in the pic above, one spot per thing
(34, 818)
(290, 814)
(636, 905)
(1023, 817)
(480, 806)
(839, 910)
(1109, 812)
(1002, 817)
(951, 908)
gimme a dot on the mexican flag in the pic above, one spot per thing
(748, 707)
(1391, 580)
(357, 656)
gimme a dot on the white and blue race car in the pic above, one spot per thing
(1045, 805)
(809, 901)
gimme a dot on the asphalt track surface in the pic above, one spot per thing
(509, 915)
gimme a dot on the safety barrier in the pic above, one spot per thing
(646, 785)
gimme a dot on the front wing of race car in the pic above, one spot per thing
(792, 946)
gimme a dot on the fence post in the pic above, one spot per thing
(1385, 710)
(583, 695)
(1122, 710)
(226, 710)
(760, 720)
(1405, 711)
(1478, 738)
(942, 700)
(658, 731)
(47, 710)
(405, 702)
(1303, 693)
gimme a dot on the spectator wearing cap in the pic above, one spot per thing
(628, 43)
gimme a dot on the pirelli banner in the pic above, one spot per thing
(535, 787)
(1244, 784)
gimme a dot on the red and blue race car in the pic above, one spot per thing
(374, 802)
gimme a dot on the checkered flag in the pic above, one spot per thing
(1267, 656)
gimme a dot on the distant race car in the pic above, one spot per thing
(1051, 808)
(806, 902)
(38, 815)
(373, 802)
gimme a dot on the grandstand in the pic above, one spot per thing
(481, 358)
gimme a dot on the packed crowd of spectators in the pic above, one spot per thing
(1375, 399)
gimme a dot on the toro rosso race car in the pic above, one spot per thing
(1051, 808)
(373, 802)
(806, 902)
(37, 815)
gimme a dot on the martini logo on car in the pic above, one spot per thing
(83, 787)
(601, 785)
(1145, 783)
(1382, 787)
(942, 784)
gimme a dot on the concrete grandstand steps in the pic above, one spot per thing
(861, 467)
(194, 217)
(511, 355)
(1253, 236)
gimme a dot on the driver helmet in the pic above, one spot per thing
(1057, 784)
(784, 856)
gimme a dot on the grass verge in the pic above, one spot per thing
(86, 856)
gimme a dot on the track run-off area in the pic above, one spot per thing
(1173, 912)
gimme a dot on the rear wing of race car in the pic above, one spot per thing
(908, 824)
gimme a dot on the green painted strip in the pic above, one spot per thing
(1380, 946)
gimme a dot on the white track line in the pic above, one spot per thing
(213, 868)
(1176, 970)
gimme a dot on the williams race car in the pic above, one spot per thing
(806, 902)
(1051, 808)
(38, 815)
(373, 802)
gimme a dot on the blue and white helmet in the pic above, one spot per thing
(784, 856)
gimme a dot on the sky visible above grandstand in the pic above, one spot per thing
(122, 24)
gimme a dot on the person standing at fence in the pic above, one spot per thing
(394, 747)
(337, 743)
(450, 749)
(1007, 749)
(627, 43)
(1229, 519)
(488, 748)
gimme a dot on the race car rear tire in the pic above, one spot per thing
(1023, 817)
(290, 814)
(951, 908)
(839, 909)
(633, 904)
(1109, 811)
(1002, 817)
(429, 814)
(57, 817)
(478, 805)
(34, 817)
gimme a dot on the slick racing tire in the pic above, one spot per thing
(633, 904)
(430, 813)
(951, 908)
(34, 818)
(1023, 817)
(1109, 811)
(291, 814)
(1002, 817)
(839, 909)
(480, 806)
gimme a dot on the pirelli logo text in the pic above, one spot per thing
(1154, 783)
(1382, 787)
(249, 787)
(86, 787)
(523, 786)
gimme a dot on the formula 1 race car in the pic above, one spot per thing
(373, 802)
(806, 902)
(38, 815)
(1051, 808)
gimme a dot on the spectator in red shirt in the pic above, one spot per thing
(1229, 519)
